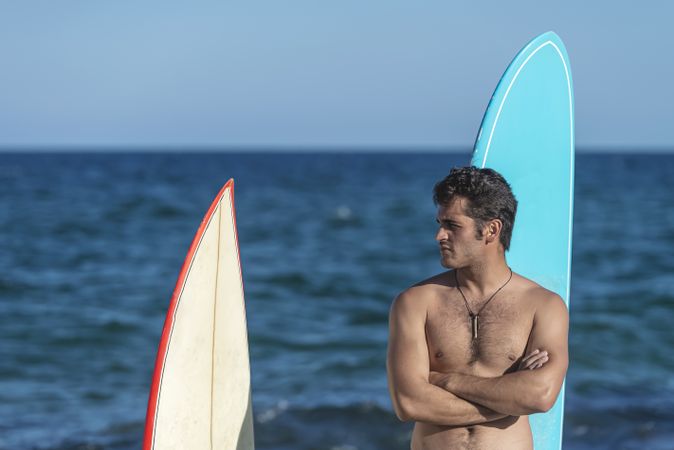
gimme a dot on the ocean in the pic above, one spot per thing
(92, 244)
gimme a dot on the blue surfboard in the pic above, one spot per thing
(527, 135)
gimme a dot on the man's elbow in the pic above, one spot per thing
(546, 399)
(404, 408)
(404, 415)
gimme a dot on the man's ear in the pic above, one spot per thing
(492, 230)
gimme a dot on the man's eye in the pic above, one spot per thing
(447, 224)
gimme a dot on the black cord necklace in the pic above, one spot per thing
(474, 317)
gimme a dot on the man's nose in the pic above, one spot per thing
(441, 235)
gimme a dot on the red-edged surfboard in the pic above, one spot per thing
(201, 395)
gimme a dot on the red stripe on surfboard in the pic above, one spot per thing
(150, 417)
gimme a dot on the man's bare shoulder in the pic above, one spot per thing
(422, 293)
(542, 299)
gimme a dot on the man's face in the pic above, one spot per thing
(456, 235)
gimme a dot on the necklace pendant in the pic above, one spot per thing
(474, 324)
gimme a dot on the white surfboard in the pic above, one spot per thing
(527, 135)
(201, 394)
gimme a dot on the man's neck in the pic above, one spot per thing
(483, 278)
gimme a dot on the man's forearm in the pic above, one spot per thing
(519, 393)
(431, 404)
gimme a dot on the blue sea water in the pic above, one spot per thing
(92, 245)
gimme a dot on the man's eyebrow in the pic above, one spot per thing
(446, 220)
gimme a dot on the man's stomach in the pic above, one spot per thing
(509, 433)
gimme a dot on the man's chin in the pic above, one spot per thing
(446, 263)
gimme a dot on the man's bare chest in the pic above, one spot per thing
(503, 329)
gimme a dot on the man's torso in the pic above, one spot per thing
(504, 328)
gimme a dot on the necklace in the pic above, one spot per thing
(474, 317)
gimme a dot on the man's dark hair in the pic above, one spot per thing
(489, 197)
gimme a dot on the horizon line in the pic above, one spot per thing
(301, 148)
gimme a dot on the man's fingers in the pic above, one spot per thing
(435, 377)
(535, 358)
(531, 355)
(538, 357)
(538, 363)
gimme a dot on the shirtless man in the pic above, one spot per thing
(471, 383)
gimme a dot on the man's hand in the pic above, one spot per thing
(534, 360)
(438, 378)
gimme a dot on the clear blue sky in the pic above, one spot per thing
(317, 73)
